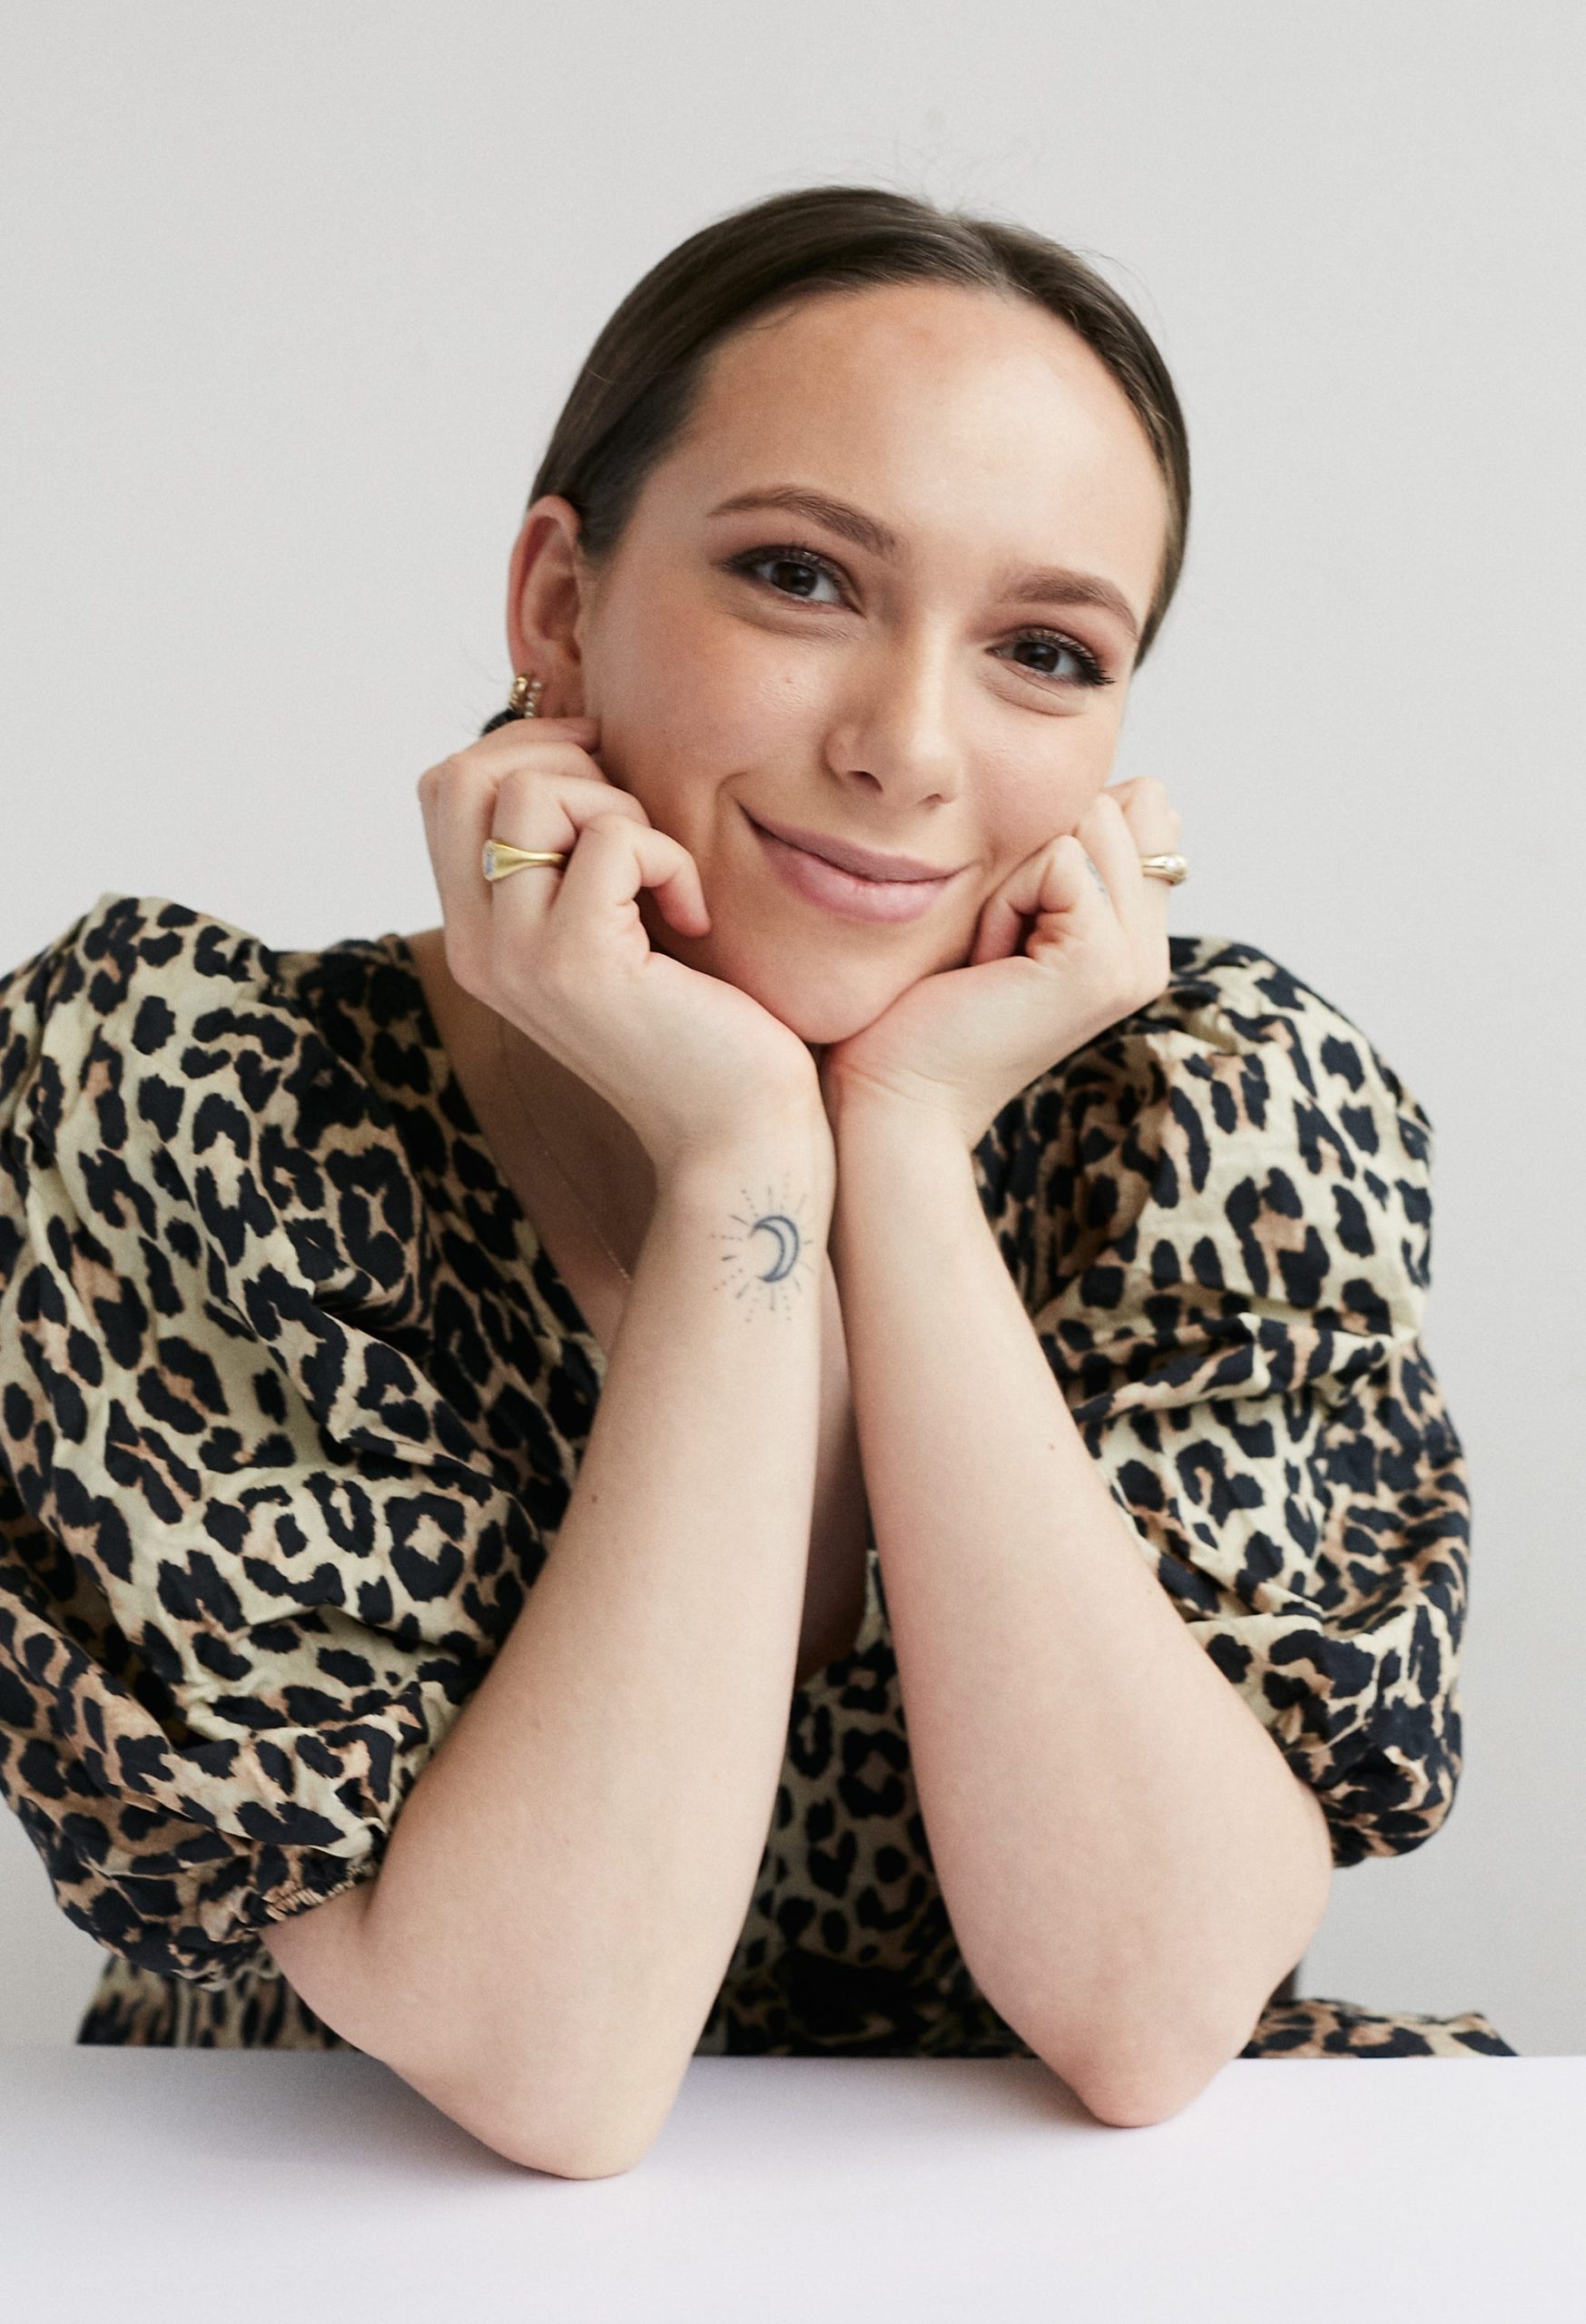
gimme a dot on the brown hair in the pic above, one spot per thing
(640, 383)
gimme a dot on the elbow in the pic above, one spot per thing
(1132, 2079)
(1130, 2100)
(538, 2138)
(546, 2129)
(539, 2134)
(599, 2157)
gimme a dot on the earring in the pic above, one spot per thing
(523, 700)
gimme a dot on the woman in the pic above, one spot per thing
(501, 1425)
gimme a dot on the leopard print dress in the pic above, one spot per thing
(292, 1403)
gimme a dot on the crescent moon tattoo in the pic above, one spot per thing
(785, 1235)
(768, 1254)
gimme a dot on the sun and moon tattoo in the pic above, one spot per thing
(766, 1251)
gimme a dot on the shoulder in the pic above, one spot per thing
(231, 1430)
(1238, 1048)
(126, 942)
(126, 978)
(1241, 1136)
(1228, 1277)
(134, 972)
(153, 987)
(1233, 1022)
(156, 1060)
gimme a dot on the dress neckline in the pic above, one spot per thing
(547, 1292)
(546, 1286)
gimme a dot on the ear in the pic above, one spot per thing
(547, 592)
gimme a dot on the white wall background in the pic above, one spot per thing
(294, 294)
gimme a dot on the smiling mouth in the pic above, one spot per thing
(861, 863)
(850, 895)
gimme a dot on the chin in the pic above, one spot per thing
(822, 1001)
(818, 1018)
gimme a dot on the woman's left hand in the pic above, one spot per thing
(965, 1041)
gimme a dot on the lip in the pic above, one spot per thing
(866, 861)
(847, 893)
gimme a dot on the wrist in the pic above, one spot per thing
(787, 1157)
(863, 1111)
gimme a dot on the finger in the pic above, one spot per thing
(1111, 833)
(1157, 826)
(1119, 837)
(540, 806)
(449, 791)
(532, 753)
(575, 727)
(1056, 879)
(1104, 833)
(1149, 812)
(612, 859)
(547, 792)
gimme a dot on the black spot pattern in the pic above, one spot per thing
(291, 1405)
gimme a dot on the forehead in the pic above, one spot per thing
(957, 415)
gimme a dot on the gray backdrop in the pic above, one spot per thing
(294, 294)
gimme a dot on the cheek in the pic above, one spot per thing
(698, 681)
(1031, 806)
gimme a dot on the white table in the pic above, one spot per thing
(222, 2187)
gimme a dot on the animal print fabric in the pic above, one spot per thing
(292, 1403)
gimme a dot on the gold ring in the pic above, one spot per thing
(1171, 868)
(500, 858)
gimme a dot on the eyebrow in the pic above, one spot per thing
(1053, 584)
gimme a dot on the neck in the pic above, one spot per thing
(588, 1139)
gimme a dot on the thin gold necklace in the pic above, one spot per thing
(533, 1129)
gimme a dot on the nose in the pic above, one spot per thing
(893, 731)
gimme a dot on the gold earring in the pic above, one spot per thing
(523, 700)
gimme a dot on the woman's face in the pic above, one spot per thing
(879, 676)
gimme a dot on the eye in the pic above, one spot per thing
(792, 556)
(789, 556)
(1089, 672)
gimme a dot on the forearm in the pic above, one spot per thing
(1130, 1864)
(563, 1890)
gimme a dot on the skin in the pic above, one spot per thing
(900, 702)
(1128, 1862)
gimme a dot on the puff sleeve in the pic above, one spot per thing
(241, 1532)
(1235, 1223)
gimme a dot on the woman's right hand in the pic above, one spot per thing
(693, 1063)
